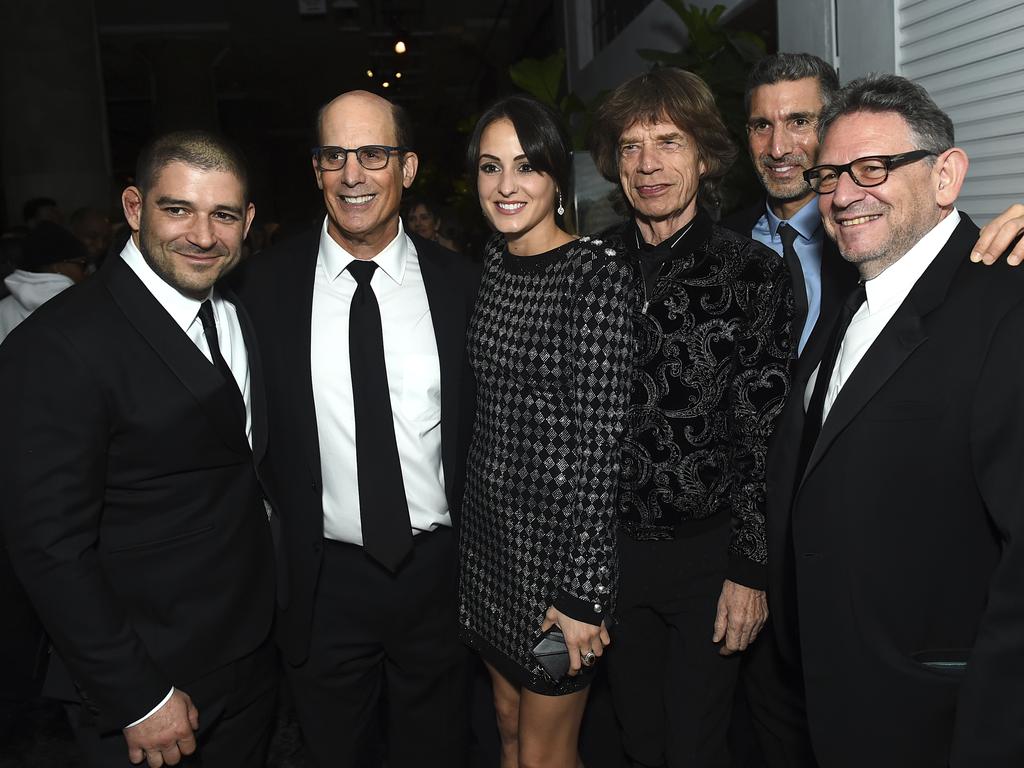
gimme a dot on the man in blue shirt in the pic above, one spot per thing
(785, 93)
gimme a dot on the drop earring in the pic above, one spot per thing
(561, 208)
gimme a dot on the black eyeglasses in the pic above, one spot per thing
(372, 157)
(865, 171)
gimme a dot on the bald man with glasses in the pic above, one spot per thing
(362, 330)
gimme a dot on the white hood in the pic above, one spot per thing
(28, 290)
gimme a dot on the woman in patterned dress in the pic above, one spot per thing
(551, 348)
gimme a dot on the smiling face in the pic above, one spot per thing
(189, 225)
(783, 141)
(875, 226)
(660, 172)
(518, 200)
(363, 206)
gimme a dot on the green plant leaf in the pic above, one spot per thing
(541, 78)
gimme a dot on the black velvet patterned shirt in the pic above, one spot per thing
(711, 377)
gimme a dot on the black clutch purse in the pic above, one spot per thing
(552, 653)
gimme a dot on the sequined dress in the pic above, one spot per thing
(551, 349)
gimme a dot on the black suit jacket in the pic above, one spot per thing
(133, 513)
(900, 554)
(277, 288)
(838, 276)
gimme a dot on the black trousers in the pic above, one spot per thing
(379, 637)
(673, 692)
(775, 697)
(237, 707)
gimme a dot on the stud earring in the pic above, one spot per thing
(561, 208)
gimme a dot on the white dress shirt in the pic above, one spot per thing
(885, 293)
(414, 384)
(185, 313)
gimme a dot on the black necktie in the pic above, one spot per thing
(210, 330)
(816, 406)
(796, 274)
(383, 509)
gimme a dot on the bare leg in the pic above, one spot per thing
(549, 729)
(506, 706)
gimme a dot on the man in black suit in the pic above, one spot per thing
(895, 496)
(133, 513)
(362, 330)
(785, 93)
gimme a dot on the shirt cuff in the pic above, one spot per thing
(746, 572)
(154, 709)
(579, 609)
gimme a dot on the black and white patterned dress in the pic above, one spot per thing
(551, 349)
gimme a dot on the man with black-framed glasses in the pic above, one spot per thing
(894, 529)
(362, 330)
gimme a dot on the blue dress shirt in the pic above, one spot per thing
(808, 247)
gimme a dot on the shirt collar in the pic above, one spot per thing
(182, 309)
(806, 221)
(391, 261)
(683, 241)
(896, 280)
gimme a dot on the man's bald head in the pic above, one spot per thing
(369, 103)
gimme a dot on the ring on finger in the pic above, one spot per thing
(588, 659)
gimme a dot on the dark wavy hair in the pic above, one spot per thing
(789, 67)
(541, 134)
(665, 95)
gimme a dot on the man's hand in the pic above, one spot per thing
(742, 612)
(998, 234)
(580, 637)
(166, 735)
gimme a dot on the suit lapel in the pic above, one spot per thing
(904, 333)
(297, 344)
(177, 351)
(447, 314)
(257, 393)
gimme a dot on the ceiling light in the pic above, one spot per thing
(369, 73)
(385, 84)
(400, 47)
(398, 75)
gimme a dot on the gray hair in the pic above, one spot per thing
(930, 127)
(787, 67)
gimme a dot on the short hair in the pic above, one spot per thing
(541, 133)
(787, 67)
(198, 148)
(665, 95)
(416, 202)
(404, 136)
(32, 207)
(930, 127)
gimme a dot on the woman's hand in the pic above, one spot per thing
(580, 637)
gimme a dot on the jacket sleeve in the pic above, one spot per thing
(602, 349)
(989, 707)
(757, 394)
(53, 462)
